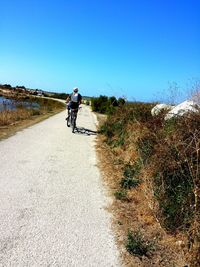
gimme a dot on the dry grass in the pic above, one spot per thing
(138, 210)
(137, 214)
(9, 117)
(12, 121)
(11, 129)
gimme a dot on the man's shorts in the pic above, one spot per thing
(73, 105)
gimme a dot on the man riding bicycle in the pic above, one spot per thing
(74, 100)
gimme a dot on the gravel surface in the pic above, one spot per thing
(52, 202)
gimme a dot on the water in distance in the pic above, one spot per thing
(11, 104)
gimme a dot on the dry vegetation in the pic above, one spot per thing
(22, 115)
(152, 169)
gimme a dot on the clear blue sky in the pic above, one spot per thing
(114, 47)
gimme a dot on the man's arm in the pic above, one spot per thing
(68, 98)
(80, 99)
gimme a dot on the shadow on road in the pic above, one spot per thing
(85, 131)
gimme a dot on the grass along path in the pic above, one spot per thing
(14, 121)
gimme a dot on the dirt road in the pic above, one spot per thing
(52, 203)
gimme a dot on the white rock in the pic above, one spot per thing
(183, 108)
(159, 107)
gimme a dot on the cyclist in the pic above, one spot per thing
(74, 100)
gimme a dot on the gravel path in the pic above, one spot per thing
(52, 203)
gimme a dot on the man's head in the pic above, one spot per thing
(75, 90)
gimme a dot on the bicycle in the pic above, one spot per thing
(71, 119)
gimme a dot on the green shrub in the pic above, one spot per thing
(119, 118)
(121, 101)
(138, 111)
(99, 104)
(111, 130)
(104, 104)
(129, 181)
(132, 170)
(106, 130)
(137, 246)
(121, 195)
(176, 198)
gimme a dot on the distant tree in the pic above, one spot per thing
(121, 101)
(60, 95)
(99, 103)
(113, 101)
(8, 86)
(104, 104)
(21, 87)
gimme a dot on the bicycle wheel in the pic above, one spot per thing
(68, 120)
(73, 123)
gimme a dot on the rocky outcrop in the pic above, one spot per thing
(159, 108)
(183, 108)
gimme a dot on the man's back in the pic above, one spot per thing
(76, 97)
